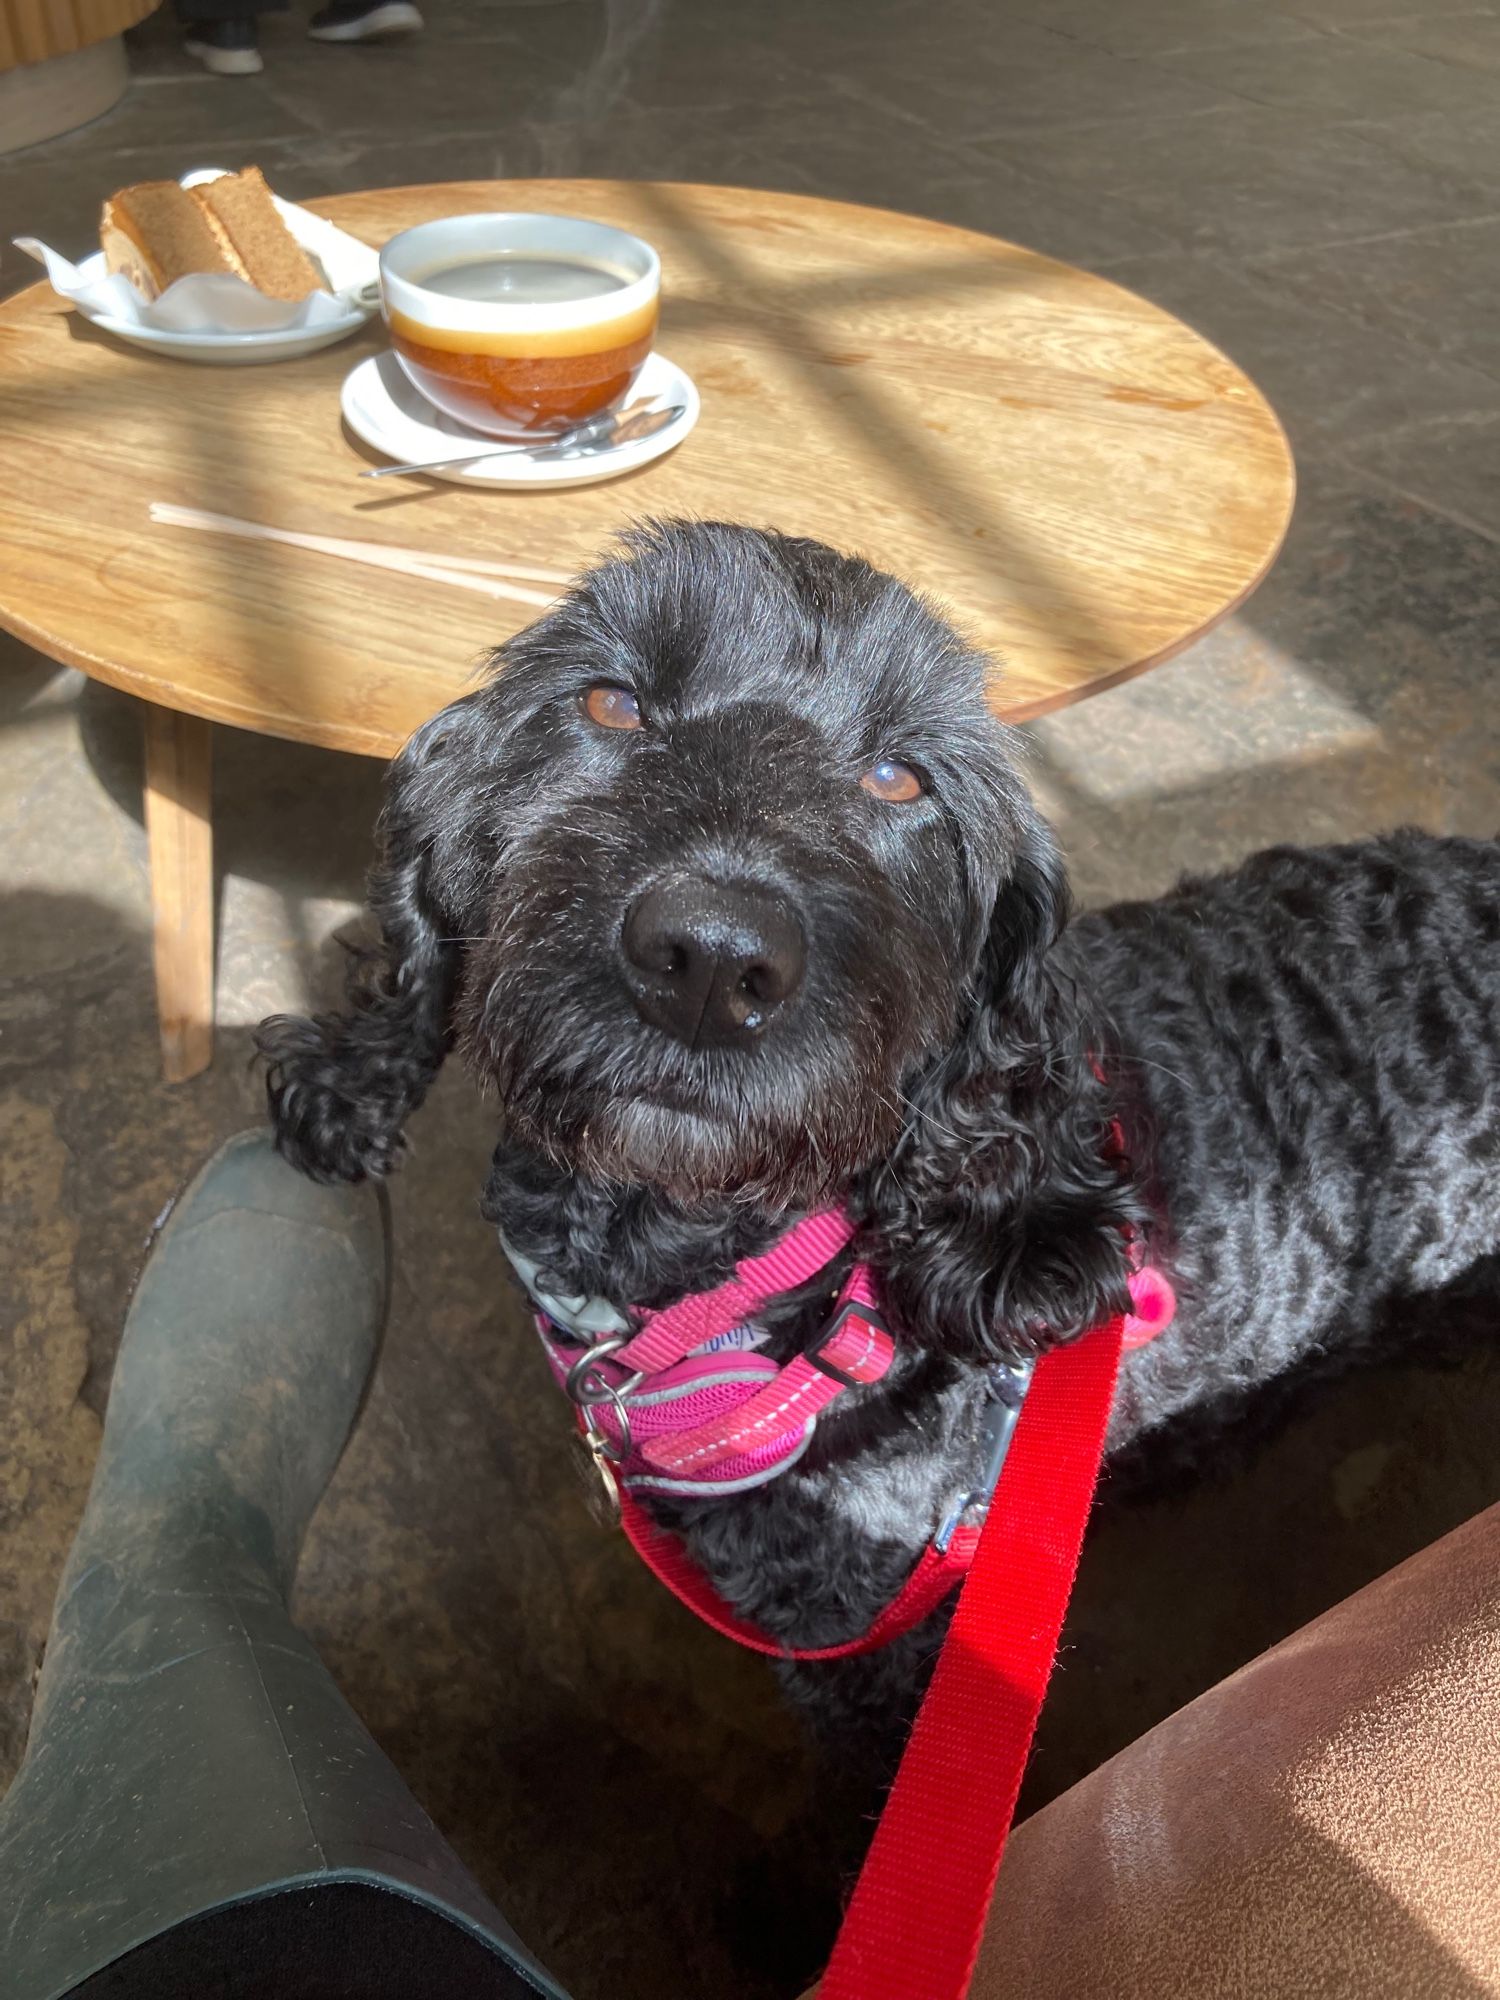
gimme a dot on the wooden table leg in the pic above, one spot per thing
(179, 836)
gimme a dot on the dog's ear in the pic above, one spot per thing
(1001, 1212)
(341, 1086)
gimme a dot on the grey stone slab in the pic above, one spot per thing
(627, 145)
(679, 68)
(178, 110)
(1464, 145)
(350, 162)
(506, 20)
(884, 40)
(1162, 27)
(1020, 78)
(1468, 41)
(1354, 17)
(1248, 178)
(851, 151)
(645, 55)
(898, 168)
(414, 86)
(1396, 611)
(734, 145)
(1440, 286)
(1336, 76)
(1330, 378)
(60, 206)
(1453, 466)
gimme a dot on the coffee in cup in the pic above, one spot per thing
(520, 325)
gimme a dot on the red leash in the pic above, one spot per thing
(918, 1913)
(914, 1924)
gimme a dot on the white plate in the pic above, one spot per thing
(227, 349)
(257, 328)
(383, 407)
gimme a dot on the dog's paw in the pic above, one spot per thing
(326, 1129)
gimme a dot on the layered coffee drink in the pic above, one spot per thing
(520, 325)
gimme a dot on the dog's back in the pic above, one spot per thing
(1314, 1041)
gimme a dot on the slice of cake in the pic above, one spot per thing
(239, 207)
(155, 233)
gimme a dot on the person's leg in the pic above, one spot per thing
(223, 34)
(199, 1810)
(364, 20)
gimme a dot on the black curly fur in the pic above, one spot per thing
(1304, 1056)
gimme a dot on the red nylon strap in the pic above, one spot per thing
(935, 1577)
(914, 1924)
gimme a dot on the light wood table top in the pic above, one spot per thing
(1084, 482)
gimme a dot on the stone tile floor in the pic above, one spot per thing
(1315, 185)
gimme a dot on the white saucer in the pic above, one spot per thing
(385, 409)
(227, 349)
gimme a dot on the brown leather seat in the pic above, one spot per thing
(1323, 1825)
(1324, 1822)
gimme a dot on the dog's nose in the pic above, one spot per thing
(710, 962)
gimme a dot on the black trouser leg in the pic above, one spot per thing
(192, 12)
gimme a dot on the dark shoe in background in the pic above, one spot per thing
(226, 48)
(364, 21)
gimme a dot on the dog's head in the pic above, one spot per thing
(722, 860)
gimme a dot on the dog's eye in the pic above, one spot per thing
(611, 707)
(897, 783)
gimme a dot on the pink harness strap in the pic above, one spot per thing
(682, 1407)
(677, 1329)
(855, 1349)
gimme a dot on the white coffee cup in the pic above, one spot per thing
(496, 321)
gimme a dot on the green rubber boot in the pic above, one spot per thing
(199, 1811)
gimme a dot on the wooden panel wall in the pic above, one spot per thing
(31, 30)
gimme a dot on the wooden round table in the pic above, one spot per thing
(1081, 479)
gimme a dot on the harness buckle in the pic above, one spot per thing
(1008, 1385)
(587, 1386)
(870, 1315)
(583, 1318)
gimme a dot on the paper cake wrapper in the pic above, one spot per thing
(214, 302)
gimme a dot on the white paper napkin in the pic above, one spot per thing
(215, 302)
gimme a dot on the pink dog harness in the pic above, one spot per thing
(680, 1402)
(686, 1406)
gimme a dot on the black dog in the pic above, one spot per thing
(727, 883)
